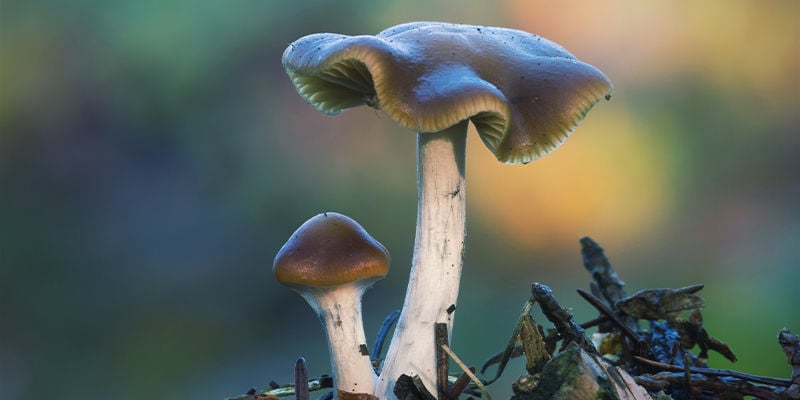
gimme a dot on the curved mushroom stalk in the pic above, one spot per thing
(438, 251)
(330, 261)
(524, 94)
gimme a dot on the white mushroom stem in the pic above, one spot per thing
(339, 309)
(436, 266)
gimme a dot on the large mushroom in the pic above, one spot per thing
(523, 93)
(330, 261)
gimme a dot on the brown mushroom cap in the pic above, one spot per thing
(524, 94)
(330, 249)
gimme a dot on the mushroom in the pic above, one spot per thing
(523, 93)
(330, 261)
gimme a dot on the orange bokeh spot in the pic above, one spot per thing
(608, 181)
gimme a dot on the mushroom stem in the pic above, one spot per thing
(436, 266)
(339, 309)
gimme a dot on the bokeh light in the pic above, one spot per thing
(608, 180)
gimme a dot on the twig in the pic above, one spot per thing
(561, 318)
(693, 333)
(719, 388)
(301, 379)
(687, 374)
(611, 315)
(716, 372)
(596, 262)
(467, 371)
(440, 333)
(459, 385)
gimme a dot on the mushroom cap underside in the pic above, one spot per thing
(524, 94)
(330, 249)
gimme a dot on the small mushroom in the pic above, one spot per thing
(523, 93)
(330, 261)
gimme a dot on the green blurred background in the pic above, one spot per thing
(154, 157)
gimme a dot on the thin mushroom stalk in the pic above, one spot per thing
(339, 310)
(523, 93)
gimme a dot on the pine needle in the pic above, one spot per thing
(467, 371)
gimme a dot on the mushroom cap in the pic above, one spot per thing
(330, 249)
(524, 94)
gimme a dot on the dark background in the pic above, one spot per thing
(154, 157)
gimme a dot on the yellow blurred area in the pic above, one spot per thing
(748, 46)
(608, 180)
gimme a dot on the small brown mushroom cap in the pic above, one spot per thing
(524, 94)
(330, 249)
